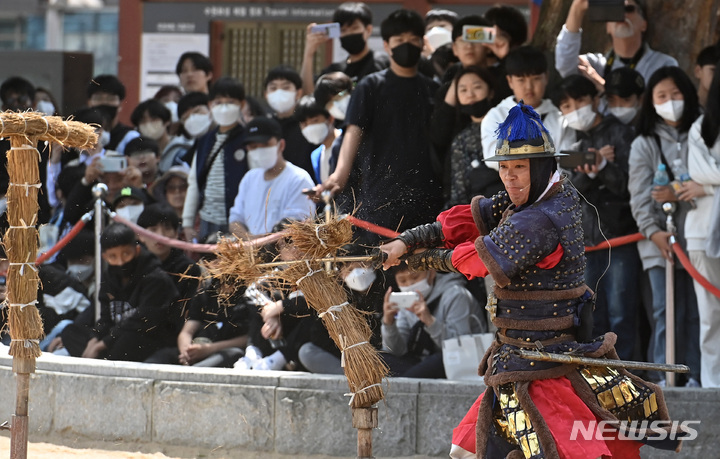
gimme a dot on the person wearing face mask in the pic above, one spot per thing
(134, 299)
(386, 133)
(106, 93)
(129, 203)
(629, 48)
(668, 111)
(283, 88)
(318, 128)
(469, 176)
(355, 21)
(412, 337)
(272, 189)
(218, 164)
(152, 119)
(604, 185)
(144, 154)
(624, 88)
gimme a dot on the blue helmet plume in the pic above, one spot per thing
(522, 123)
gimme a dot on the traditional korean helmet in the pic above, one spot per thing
(523, 136)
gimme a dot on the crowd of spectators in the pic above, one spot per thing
(395, 136)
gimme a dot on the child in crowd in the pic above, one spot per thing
(318, 127)
(106, 92)
(153, 121)
(144, 155)
(135, 296)
(624, 88)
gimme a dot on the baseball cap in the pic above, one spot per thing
(624, 82)
(262, 129)
(130, 192)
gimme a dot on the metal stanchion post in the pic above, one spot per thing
(669, 208)
(99, 192)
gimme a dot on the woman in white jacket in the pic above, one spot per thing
(704, 168)
(669, 109)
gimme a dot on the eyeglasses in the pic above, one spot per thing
(630, 9)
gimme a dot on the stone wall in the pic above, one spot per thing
(281, 412)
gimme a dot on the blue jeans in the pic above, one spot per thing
(687, 320)
(618, 294)
(207, 228)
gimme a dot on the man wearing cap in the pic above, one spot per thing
(629, 48)
(530, 238)
(624, 88)
(272, 189)
(130, 202)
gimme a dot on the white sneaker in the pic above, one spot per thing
(252, 357)
(692, 382)
(274, 362)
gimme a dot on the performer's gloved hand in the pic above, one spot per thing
(379, 257)
(437, 259)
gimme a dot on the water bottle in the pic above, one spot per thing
(681, 175)
(661, 177)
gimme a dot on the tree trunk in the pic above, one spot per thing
(680, 28)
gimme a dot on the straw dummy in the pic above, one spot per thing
(21, 240)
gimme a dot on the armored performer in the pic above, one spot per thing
(529, 238)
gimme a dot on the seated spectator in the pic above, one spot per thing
(144, 155)
(318, 128)
(705, 70)
(162, 220)
(130, 203)
(135, 297)
(624, 88)
(106, 92)
(527, 76)
(605, 210)
(470, 176)
(629, 47)
(413, 337)
(272, 189)
(153, 120)
(195, 72)
(283, 88)
(218, 165)
(355, 21)
(171, 188)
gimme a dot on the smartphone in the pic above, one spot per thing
(478, 34)
(606, 10)
(113, 163)
(575, 159)
(404, 300)
(331, 29)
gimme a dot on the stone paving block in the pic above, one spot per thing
(214, 415)
(41, 400)
(103, 408)
(438, 414)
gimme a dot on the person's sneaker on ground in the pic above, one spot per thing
(275, 362)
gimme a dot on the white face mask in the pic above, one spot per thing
(281, 100)
(360, 279)
(316, 133)
(581, 119)
(131, 212)
(226, 114)
(197, 124)
(80, 272)
(172, 106)
(152, 130)
(422, 286)
(624, 114)
(438, 36)
(104, 138)
(46, 107)
(262, 158)
(338, 108)
(672, 110)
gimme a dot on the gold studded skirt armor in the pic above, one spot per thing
(536, 257)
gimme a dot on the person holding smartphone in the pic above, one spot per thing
(606, 211)
(412, 336)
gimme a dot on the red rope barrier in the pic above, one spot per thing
(694, 272)
(373, 228)
(62, 242)
(182, 245)
(616, 242)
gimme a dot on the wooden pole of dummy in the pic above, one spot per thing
(21, 240)
(365, 420)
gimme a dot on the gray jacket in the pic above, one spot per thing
(649, 216)
(452, 315)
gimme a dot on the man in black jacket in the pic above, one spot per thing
(135, 295)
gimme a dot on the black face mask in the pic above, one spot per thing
(406, 55)
(477, 109)
(353, 43)
(109, 111)
(125, 270)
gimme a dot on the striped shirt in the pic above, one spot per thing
(213, 209)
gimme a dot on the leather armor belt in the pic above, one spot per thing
(532, 344)
(548, 295)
